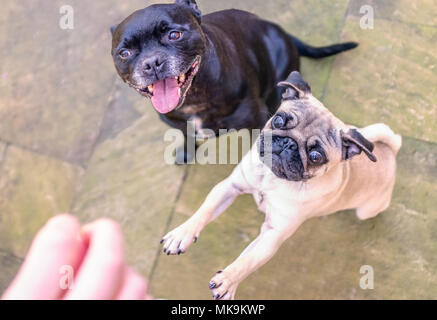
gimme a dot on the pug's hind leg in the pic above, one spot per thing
(372, 208)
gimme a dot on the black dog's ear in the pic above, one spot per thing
(297, 88)
(193, 6)
(112, 29)
(353, 143)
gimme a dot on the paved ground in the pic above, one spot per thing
(73, 138)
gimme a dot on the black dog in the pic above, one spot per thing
(219, 70)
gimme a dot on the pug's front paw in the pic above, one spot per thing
(223, 286)
(178, 240)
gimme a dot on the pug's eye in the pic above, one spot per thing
(316, 157)
(278, 122)
(174, 35)
(124, 53)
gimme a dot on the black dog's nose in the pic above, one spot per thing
(282, 143)
(153, 65)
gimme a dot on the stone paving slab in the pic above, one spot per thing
(423, 12)
(32, 189)
(3, 148)
(56, 84)
(9, 265)
(323, 259)
(391, 78)
(128, 180)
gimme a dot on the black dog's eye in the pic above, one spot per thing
(278, 122)
(174, 35)
(124, 53)
(316, 157)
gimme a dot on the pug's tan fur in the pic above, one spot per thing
(341, 184)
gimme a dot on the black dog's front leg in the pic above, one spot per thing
(187, 153)
(250, 114)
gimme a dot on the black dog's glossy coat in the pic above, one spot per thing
(243, 58)
(235, 87)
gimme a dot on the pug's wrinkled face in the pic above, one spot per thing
(158, 51)
(303, 139)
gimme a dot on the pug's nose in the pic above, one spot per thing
(284, 143)
(152, 66)
(288, 143)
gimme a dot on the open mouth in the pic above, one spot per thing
(169, 94)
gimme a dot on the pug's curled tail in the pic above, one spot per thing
(380, 132)
(306, 50)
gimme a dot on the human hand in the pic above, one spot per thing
(94, 253)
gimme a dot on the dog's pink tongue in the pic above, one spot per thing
(165, 95)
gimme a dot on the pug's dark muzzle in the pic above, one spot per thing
(282, 157)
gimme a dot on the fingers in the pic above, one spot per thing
(94, 253)
(56, 245)
(134, 286)
(102, 271)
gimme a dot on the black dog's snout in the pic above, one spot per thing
(153, 65)
(283, 143)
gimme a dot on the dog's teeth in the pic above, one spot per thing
(150, 88)
(180, 92)
(182, 78)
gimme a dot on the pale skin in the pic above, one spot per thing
(96, 254)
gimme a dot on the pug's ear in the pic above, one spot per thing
(353, 143)
(296, 87)
(193, 6)
(112, 29)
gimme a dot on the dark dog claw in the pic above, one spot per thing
(195, 239)
(162, 240)
(219, 271)
(212, 285)
(179, 251)
(217, 296)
